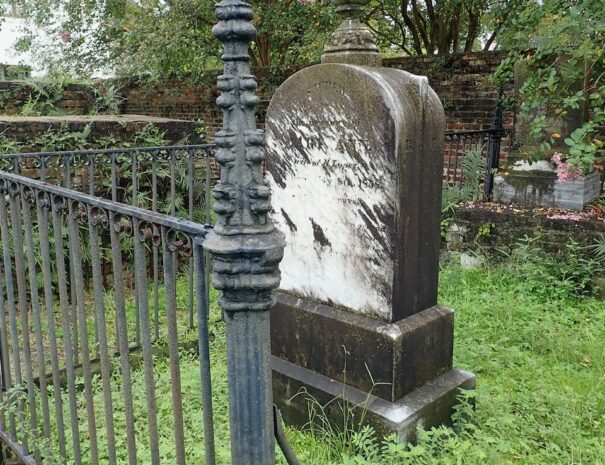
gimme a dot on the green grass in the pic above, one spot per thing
(540, 365)
(539, 357)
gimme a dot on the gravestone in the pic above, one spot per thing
(355, 167)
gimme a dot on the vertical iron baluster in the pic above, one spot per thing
(22, 300)
(3, 385)
(190, 173)
(135, 203)
(122, 334)
(35, 300)
(142, 292)
(67, 183)
(91, 174)
(496, 132)
(156, 258)
(58, 210)
(169, 258)
(172, 159)
(456, 155)
(42, 207)
(6, 370)
(75, 249)
(72, 290)
(12, 313)
(42, 170)
(91, 191)
(207, 186)
(449, 161)
(203, 304)
(95, 222)
(114, 177)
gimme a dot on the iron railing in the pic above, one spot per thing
(174, 180)
(65, 396)
(494, 143)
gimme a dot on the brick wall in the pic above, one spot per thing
(123, 129)
(464, 84)
(76, 99)
(462, 81)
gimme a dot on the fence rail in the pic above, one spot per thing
(175, 180)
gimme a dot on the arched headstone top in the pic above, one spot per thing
(355, 161)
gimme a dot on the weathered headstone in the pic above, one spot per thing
(355, 166)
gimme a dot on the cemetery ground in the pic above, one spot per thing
(526, 325)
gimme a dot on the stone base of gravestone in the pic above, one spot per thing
(394, 376)
(355, 160)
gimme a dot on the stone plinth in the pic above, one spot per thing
(354, 163)
(541, 189)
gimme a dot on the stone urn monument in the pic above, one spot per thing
(355, 165)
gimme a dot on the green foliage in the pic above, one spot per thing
(441, 27)
(598, 250)
(63, 139)
(5, 96)
(8, 145)
(44, 95)
(562, 45)
(159, 40)
(569, 273)
(469, 189)
(107, 98)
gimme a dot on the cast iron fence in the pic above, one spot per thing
(70, 341)
(493, 143)
(174, 180)
(94, 245)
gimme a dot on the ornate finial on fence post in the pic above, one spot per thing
(247, 247)
(352, 42)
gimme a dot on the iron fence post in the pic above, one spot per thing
(496, 131)
(246, 246)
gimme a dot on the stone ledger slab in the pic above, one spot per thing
(298, 391)
(541, 189)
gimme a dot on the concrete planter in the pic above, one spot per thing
(533, 188)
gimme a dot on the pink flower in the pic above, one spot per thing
(566, 172)
(64, 36)
(306, 2)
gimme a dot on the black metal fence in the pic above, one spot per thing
(493, 144)
(70, 340)
(94, 245)
(174, 180)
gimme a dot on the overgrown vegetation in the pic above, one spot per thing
(44, 97)
(538, 357)
(468, 187)
(562, 46)
(160, 40)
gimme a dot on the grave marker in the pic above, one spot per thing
(355, 167)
